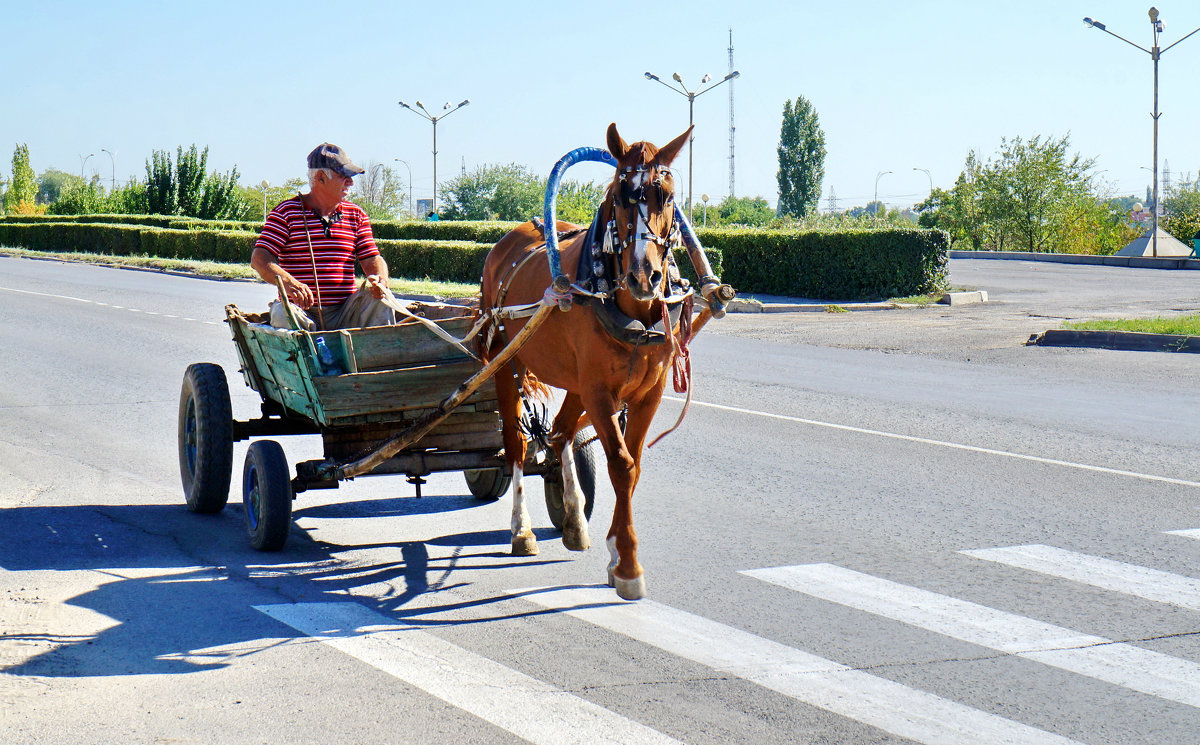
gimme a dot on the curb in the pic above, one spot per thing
(1141, 262)
(1130, 341)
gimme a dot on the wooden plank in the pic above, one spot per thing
(406, 344)
(431, 442)
(392, 390)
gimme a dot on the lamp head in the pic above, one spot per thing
(1092, 23)
(677, 79)
(732, 75)
(404, 105)
(1153, 15)
(651, 76)
(465, 101)
(705, 79)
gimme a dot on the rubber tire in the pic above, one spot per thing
(586, 454)
(267, 495)
(205, 436)
(487, 484)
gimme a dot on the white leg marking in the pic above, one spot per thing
(523, 541)
(575, 527)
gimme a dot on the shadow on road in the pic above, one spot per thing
(180, 588)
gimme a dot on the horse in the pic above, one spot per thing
(614, 381)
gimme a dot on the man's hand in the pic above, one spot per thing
(298, 293)
(377, 285)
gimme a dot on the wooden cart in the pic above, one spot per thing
(380, 382)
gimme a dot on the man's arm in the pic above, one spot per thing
(375, 267)
(264, 262)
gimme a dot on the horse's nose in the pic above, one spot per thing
(655, 279)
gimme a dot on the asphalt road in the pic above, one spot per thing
(879, 527)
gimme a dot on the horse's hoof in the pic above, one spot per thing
(628, 589)
(524, 545)
(576, 539)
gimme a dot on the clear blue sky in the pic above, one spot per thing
(897, 86)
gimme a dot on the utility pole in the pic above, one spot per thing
(731, 127)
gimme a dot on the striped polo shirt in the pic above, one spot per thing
(286, 235)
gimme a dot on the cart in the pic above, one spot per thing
(385, 400)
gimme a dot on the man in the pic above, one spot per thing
(312, 241)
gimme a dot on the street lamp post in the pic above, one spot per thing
(83, 159)
(410, 196)
(926, 170)
(691, 97)
(1155, 53)
(113, 159)
(425, 113)
(264, 186)
(878, 176)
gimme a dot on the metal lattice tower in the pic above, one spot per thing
(731, 127)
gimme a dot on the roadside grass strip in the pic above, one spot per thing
(881, 703)
(1095, 657)
(526, 707)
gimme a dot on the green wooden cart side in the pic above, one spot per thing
(395, 375)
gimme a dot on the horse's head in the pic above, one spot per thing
(642, 196)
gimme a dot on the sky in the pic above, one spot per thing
(897, 86)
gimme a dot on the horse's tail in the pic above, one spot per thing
(531, 387)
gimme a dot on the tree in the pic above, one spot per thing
(53, 182)
(493, 192)
(1032, 196)
(378, 191)
(753, 211)
(21, 196)
(801, 159)
(186, 188)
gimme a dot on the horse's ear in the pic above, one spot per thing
(616, 145)
(666, 154)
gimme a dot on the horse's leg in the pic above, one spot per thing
(575, 528)
(624, 454)
(508, 397)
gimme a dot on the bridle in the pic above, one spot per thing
(636, 192)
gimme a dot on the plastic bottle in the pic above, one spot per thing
(329, 365)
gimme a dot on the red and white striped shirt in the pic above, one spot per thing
(288, 230)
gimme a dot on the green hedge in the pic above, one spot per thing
(129, 240)
(851, 265)
(442, 230)
(158, 221)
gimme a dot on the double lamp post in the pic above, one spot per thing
(1155, 53)
(434, 119)
(691, 97)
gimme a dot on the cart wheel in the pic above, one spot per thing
(205, 437)
(585, 449)
(267, 495)
(488, 484)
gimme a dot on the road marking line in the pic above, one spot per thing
(816, 681)
(102, 303)
(525, 706)
(1193, 533)
(1096, 657)
(942, 443)
(1143, 582)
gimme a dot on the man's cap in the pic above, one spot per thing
(331, 156)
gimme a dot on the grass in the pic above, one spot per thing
(1183, 325)
(219, 270)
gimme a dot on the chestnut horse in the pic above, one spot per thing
(601, 374)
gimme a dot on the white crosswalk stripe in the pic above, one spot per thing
(881, 703)
(1129, 579)
(1093, 656)
(529, 708)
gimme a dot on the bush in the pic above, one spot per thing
(850, 265)
(826, 265)
(476, 231)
